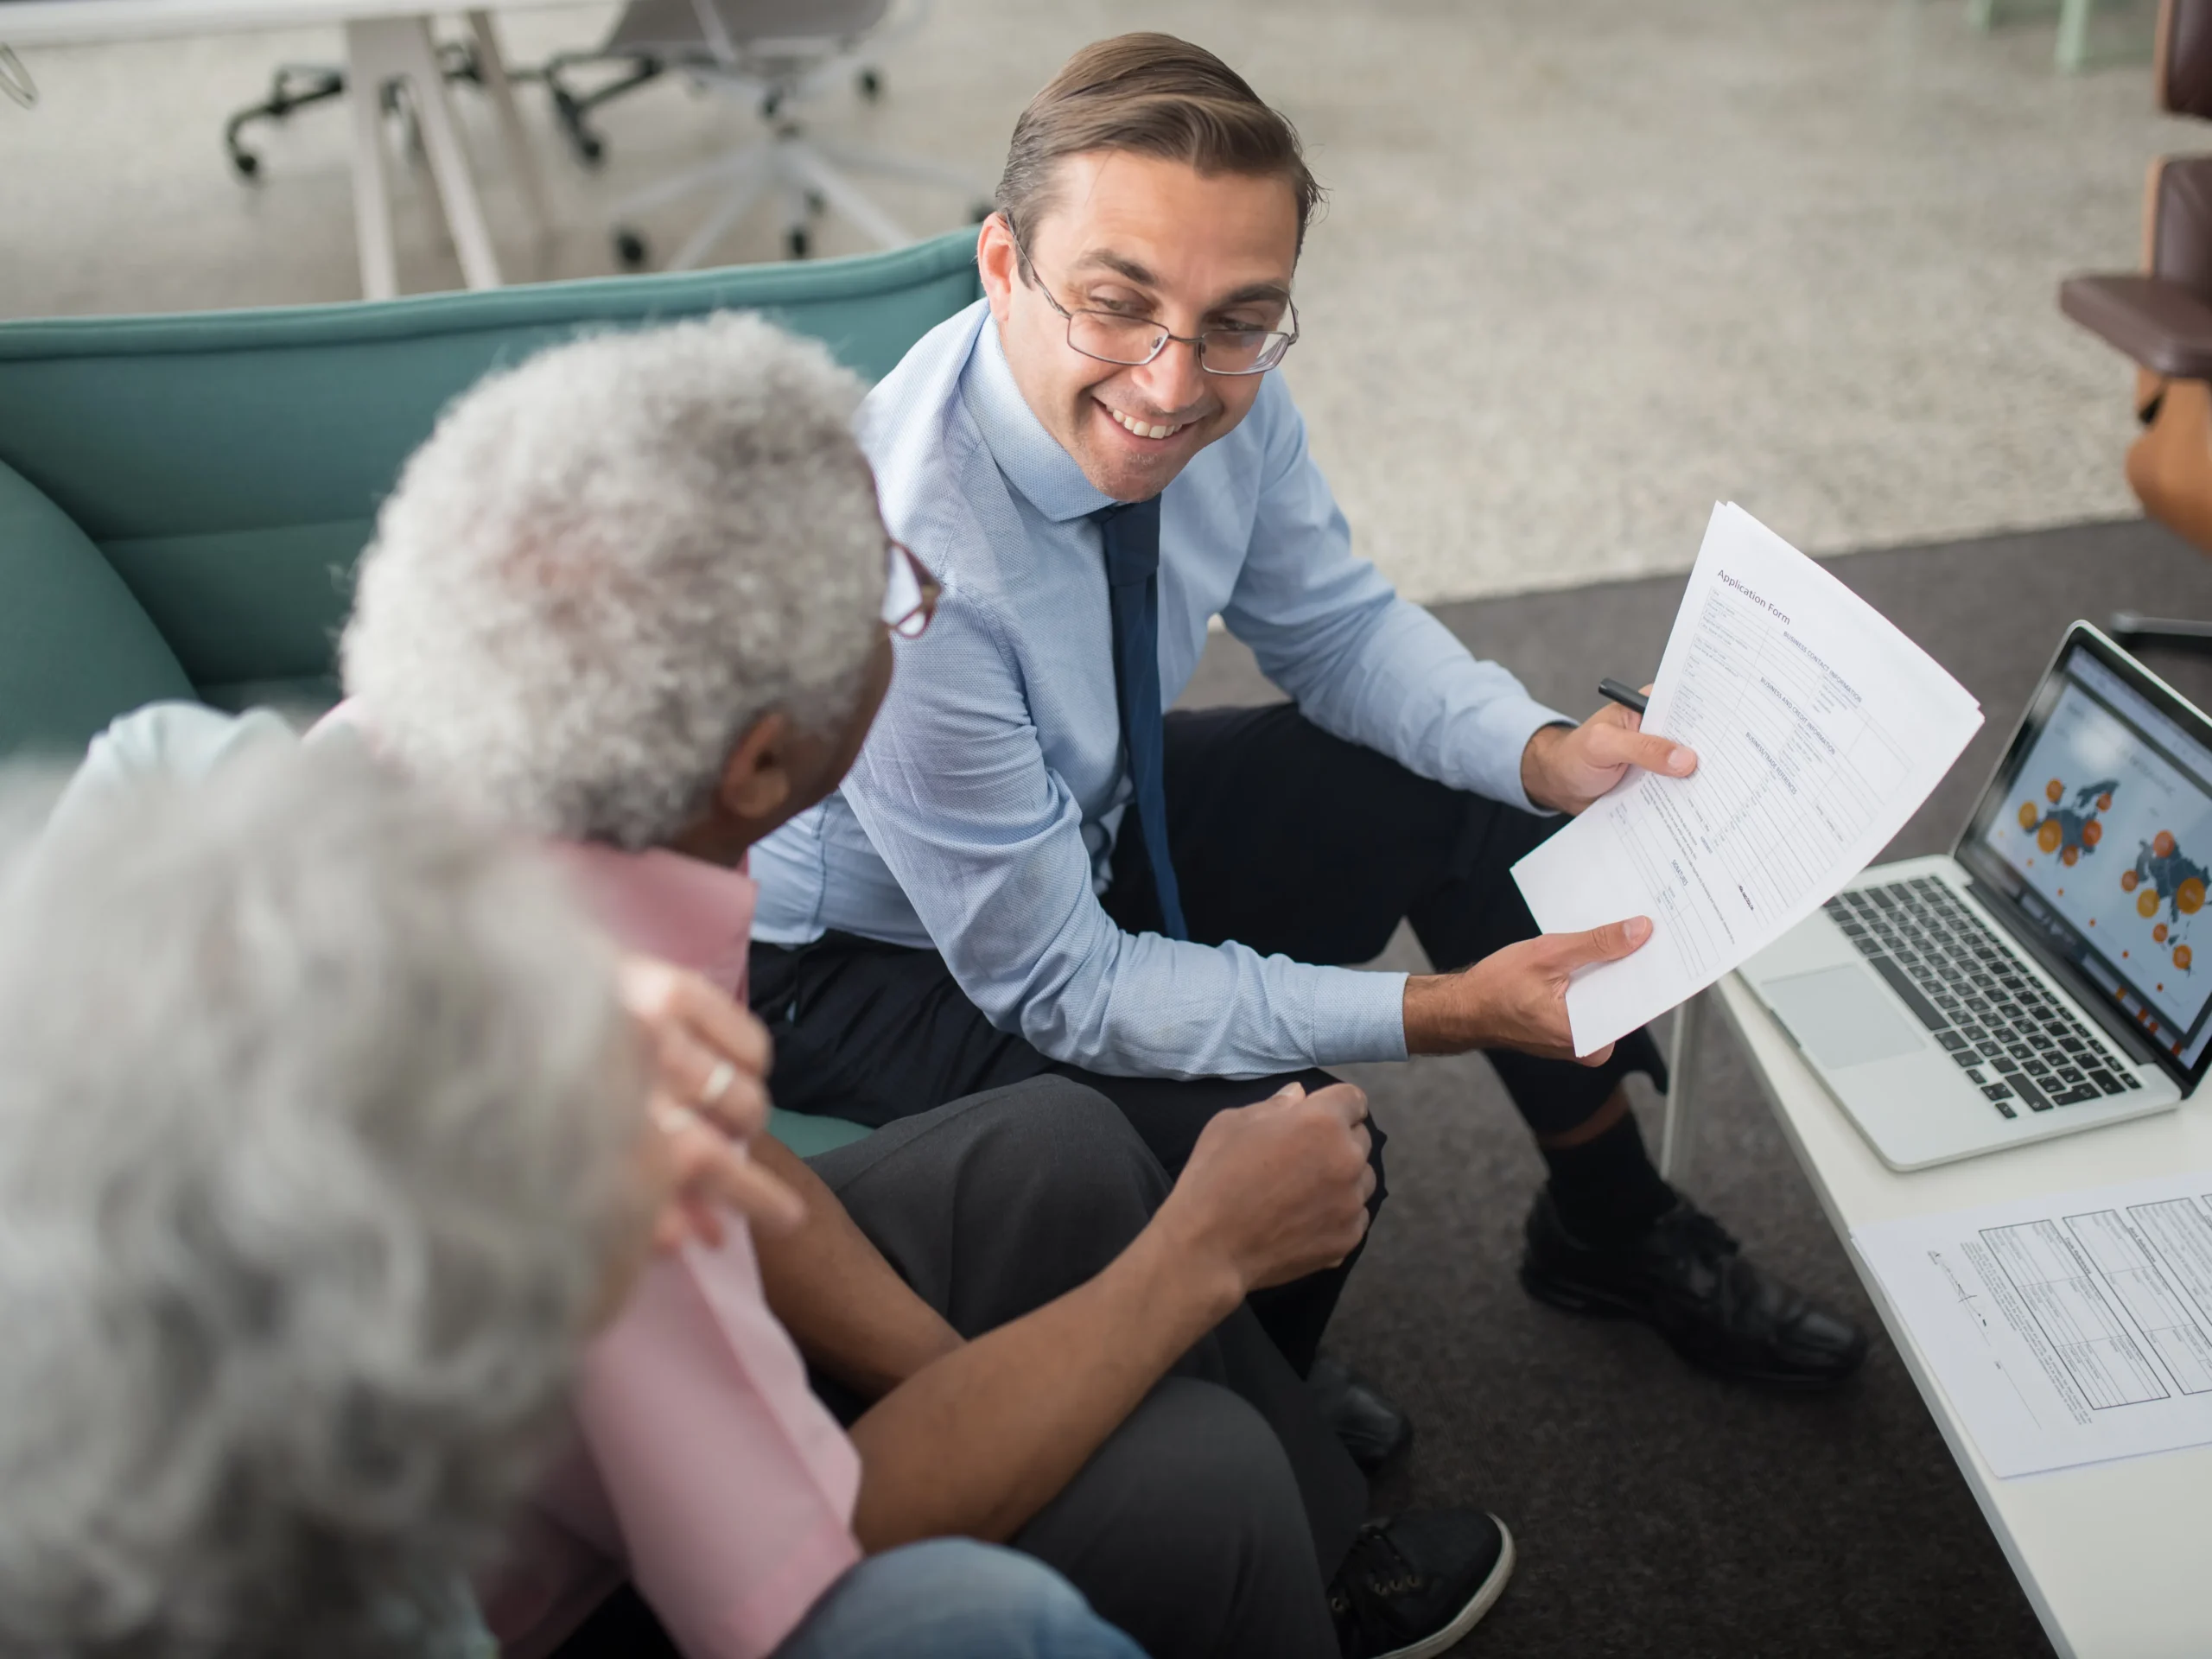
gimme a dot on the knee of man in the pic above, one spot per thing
(1073, 1150)
(1203, 1495)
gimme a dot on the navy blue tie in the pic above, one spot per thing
(1132, 536)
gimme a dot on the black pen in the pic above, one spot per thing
(1627, 695)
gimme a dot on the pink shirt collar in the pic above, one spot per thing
(681, 909)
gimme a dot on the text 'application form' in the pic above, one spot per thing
(1820, 729)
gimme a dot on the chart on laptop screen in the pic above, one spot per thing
(2118, 840)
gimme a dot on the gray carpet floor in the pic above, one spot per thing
(1660, 1511)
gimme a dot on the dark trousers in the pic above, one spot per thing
(1284, 838)
(1208, 1522)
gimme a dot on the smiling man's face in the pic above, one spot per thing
(1141, 237)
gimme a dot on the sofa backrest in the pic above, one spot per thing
(227, 466)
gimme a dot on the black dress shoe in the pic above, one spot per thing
(1413, 1586)
(1686, 1278)
(1372, 1427)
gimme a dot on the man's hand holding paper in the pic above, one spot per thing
(1570, 768)
(1820, 729)
(1517, 997)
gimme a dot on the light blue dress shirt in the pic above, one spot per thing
(980, 816)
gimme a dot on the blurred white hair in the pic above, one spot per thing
(317, 1156)
(609, 562)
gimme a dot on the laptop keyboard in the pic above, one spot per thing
(2014, 1041)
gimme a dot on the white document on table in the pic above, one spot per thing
(2067, 1329)
(1820, 729)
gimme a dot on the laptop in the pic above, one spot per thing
(2052, 973)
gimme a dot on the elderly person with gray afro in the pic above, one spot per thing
(634, 597)
(326, 1144)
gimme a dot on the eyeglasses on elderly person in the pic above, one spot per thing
(910, 592)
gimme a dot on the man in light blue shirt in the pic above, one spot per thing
(1030, 869)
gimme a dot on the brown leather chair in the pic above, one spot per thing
(2162, 317)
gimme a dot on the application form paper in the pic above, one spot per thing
(2067, 1329)
(1820, 729)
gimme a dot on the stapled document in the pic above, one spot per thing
(2066, 1329)
(1820, 729)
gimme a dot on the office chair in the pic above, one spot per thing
(639, 65)
(2161, 319)
(299, 86)
(772, 55)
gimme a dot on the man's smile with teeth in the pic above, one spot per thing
(1140, 428)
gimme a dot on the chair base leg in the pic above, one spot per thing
(805, 181)
(294, 87)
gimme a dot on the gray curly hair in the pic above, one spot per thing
(606, 564)
(313, 1170)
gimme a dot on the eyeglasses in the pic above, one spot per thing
(910, 592)
(1113, 337)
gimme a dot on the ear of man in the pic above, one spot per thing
(999, 262)
(757, 782)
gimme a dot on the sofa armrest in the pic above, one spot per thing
(2161, 325)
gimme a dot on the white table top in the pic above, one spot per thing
(2116, 1557)
(57, 22)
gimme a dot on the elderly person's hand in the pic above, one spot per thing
(710, 1097)
(714, 1055)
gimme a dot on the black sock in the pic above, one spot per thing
(1607, 1190)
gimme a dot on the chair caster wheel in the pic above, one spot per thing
(799, 243)
(593, 151)
(630, 248)
(246, 166)
(871, 85)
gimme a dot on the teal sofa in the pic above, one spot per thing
(182, 498)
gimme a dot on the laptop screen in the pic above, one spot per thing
(2098, 829)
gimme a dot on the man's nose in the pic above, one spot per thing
(1173, 381)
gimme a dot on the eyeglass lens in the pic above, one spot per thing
(1138, 339)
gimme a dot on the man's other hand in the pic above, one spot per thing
(1514, 998)
(1275, 1190)
(1565, 768)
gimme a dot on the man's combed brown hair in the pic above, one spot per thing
(1150, 95)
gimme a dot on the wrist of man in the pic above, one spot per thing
(1195, 1270)
(1441, 1018)
(1536, 766)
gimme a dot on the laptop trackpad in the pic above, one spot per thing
(1840, 1017)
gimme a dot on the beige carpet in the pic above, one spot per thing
(1588, 265)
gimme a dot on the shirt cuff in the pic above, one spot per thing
(1358, 1015)
(1508, 726)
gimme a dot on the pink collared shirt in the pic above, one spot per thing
(703, 1465)
(706, 1462)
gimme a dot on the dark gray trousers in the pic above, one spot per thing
(1206, 1525)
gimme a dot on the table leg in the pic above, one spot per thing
(372, 182)
(521, 157)
(381, 49)
(1683, 1052)
(2072, 49)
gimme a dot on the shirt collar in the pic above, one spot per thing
(682, 909)
(668, 905)
(1029, 456)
